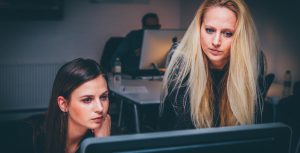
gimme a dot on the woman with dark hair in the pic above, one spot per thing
(78, 107)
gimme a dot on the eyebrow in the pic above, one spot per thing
(86, 96)
(225, 29)
(228, 29)
(105, 92)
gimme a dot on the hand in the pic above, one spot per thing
(104, 129)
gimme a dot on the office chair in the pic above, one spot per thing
(288, 113)
(268, 82)
(110, 47)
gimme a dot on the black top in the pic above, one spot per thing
(129, 51)
(176, 115)
(30, 136)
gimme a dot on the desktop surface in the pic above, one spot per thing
(139, 91)
(259, 138)
(146, 73)
(138, 94)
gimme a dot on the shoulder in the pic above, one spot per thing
(178, 94)
(175, 79)
(135, 33)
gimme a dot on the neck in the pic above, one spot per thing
(72, 148)
(74, 136)
(218, 65)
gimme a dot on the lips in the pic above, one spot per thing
(215, 52)
(98, 119)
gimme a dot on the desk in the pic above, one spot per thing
(275, 92)
(274, 95)
(137, 93)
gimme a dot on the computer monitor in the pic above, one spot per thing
(260, 138)
(155, 47)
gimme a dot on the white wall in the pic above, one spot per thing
(188, 10)
(82, 33)
(278, 24)
(87, 26)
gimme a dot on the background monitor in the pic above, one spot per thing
(155, 47)
(259, 138)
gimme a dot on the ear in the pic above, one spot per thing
(62, 103)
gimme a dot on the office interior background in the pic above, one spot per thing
(86, 26)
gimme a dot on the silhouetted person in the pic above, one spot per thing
(129, 50)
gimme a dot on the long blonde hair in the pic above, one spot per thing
(239, 89)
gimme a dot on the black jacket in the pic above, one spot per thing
(176, 115)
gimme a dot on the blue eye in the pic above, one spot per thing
(208, 30)
(227, 34)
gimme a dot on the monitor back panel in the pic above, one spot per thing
(155, 47)
(263, 138)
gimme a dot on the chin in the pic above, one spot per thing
(96, 125)
(215, 58)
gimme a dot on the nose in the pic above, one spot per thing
(216, 40)
(98, 106)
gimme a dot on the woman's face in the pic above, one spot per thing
(88, 104)
(216, 36)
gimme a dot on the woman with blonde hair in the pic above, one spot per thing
(213, 77)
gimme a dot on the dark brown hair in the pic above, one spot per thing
(70, 76)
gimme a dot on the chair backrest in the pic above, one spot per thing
(296, 89)
(268, 82)
(110, 47)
